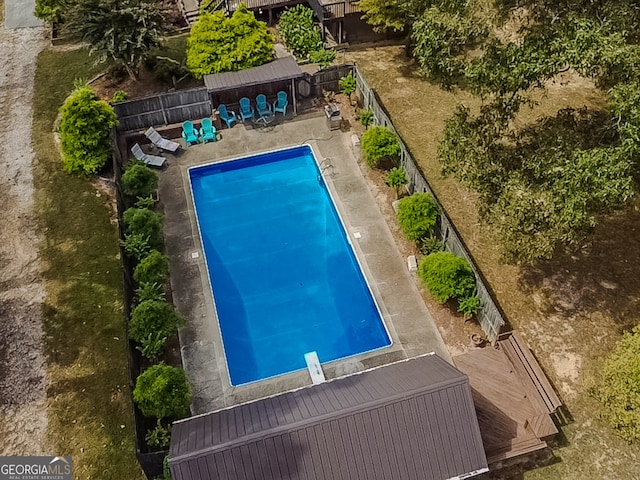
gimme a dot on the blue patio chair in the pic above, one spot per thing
(264, 109)
(246, 110)
(280, 105)
(189, 133)
(208, 131)
(229, 116)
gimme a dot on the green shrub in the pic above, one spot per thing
(159, 436)
(119, 96)
(348, 85)
(417, 215)
(144, 222)
(469, 306)
(152, 322)
(430, 244)
(619, 390)
(446, 276)
(299, 32)
(150, 291)
(221, 44)
(380, 144)
(138, 180)
(322, 57)
(136, 245)
(397, 179)
(154, 268)
(85, 126)
(162, 392)
(365, 117)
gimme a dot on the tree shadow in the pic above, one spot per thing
(602, 276)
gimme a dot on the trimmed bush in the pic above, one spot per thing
(380, 144)
(446, 276)
(163, 392)
(151, 323)
(417, 215)
(619, 391)
(218, 43)
(139, 180)
(154, 268)
(145, 222)
(85, 126)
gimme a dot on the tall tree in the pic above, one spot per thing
(123, 31)
(221, 44)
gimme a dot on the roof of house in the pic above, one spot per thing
(413, 419)
(285, 68)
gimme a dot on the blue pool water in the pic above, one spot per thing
(285, 280)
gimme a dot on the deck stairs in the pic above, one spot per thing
(191, 8)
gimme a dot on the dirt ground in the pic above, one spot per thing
(23, 418)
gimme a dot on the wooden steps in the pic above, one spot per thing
(527, 366)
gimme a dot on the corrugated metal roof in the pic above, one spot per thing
(285, 68)
(413, 419)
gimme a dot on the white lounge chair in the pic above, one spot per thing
(153, 160)
(161, 142)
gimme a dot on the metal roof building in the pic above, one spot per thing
(413, 419)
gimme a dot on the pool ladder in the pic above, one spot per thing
(324, 165)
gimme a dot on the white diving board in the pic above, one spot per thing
(314, 367)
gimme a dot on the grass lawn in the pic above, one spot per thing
(571, 310)
(90, 413)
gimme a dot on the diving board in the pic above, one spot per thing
(314, 367)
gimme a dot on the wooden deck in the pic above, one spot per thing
(513, 398)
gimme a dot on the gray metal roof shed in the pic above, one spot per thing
(279, 70)
(413, 419)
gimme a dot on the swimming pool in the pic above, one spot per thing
(284, 278)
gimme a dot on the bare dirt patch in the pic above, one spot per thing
(23, 418)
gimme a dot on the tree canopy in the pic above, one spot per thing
(218, 43)
(123, 31)
(541, 186)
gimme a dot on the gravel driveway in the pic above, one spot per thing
(23, 418)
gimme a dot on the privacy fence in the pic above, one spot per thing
(163, 109)
(490, 316)
(176, 107)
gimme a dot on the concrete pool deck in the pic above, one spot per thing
(410, 325)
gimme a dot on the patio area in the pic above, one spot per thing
(410, 325)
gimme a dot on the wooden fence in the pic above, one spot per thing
(329, 79)
(163, 109)
(490, 316)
